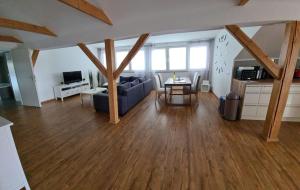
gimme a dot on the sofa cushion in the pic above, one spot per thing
(101, 103)
(124, 79)
(122, 87)
(142, 79)
(135, 82)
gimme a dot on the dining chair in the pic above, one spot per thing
(158, 89)
(195, 85)
(161, 80)
(196, 74)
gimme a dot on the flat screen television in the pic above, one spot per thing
(71, 77)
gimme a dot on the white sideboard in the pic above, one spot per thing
(256, 97)
(66, 90)
(12, 176)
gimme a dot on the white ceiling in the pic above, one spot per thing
(134, 17)
(6, 46)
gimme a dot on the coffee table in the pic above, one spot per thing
(90, 93)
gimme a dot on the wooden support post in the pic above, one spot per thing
(288, 59)
(112, 84)
(283, 73)
(34, 56)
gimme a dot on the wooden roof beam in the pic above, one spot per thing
(18, 25)
(34, 56)
(137, 46)
(9, 39)
(88, 8)
(93, 58)
(272, 68)
(243, 2)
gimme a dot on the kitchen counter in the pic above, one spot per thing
(12, 175)
(264, 81)
(255, 98)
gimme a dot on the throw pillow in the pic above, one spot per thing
(132, 78)
(124, 79)
(135, 82)
(142, 79)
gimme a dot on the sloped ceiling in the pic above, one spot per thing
(133, 17)
(269, 38)
(168, 38)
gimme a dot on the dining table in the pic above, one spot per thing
(182, 82)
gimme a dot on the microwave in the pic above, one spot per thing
(247, 73)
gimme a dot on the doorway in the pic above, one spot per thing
(7, 97)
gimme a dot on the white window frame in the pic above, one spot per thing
(186, 58)
(207, 45)
(145, 62)
(148, 55)
(119, 49)
(167, 65)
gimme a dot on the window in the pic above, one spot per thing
(138, 62)
(103, 59)
(198, 57)
(159, 60)
(177, 58)
(120, 55)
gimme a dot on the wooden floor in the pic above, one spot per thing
(67, 146)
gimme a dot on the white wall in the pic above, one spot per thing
(51, 63)
(21, 58)
(226, 48)
(269, 38)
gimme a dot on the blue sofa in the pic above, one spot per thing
(128, 97)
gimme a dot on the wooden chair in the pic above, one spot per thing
(158, 89)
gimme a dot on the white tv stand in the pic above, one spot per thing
(66, 90)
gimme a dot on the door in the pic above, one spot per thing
(25, 77)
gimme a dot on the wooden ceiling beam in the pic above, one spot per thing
(9, 39)
(137, 46)
(18, 25)
(88, 8)
(93, 58)
(243, 2)
(34, 56)
(272, 68)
